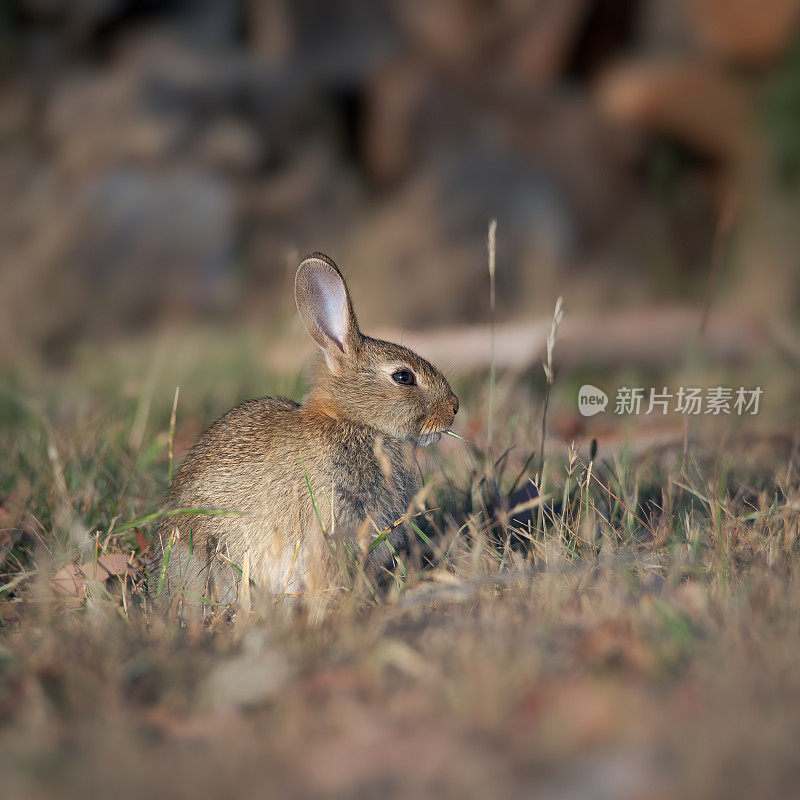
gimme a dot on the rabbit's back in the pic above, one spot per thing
(271, 469)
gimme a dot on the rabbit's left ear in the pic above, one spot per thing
(325, 308)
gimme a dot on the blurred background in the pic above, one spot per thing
(168, 161)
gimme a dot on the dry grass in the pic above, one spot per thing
(636, 635)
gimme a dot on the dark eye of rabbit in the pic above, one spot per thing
(404, 377)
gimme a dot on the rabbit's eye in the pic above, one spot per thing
(404, 377)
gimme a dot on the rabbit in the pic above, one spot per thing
(291, 478)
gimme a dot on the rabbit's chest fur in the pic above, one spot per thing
(270, 462)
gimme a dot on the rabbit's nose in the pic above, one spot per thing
(454, 404)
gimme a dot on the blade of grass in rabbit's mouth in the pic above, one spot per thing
(458, 436)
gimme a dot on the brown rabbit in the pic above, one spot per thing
(352, 440)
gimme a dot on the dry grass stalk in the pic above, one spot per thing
(491, 246)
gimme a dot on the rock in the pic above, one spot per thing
(126, 247)
(230, 146)
(94, 122)
(140, 230)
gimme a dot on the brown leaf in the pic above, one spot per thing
(142, 545)
(70, 580)
(112, 563)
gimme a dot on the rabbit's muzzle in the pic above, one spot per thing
(450, 409)
(439, 420)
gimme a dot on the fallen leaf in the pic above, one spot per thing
(142, 545)
(112, 563)
(71, 579)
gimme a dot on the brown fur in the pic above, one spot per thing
(352, 439)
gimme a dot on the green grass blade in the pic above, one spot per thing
(203, 599)
(381, 537)
(172, 419)
(420, 532)
(164, 565)
(311, 492)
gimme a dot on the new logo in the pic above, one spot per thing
(591, 400)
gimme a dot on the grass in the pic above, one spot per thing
(635, 632)
(491, 246)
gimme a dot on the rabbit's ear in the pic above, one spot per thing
(324, 305)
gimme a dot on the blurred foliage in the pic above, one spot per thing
(782, 117)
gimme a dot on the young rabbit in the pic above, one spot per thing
(351, 441)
